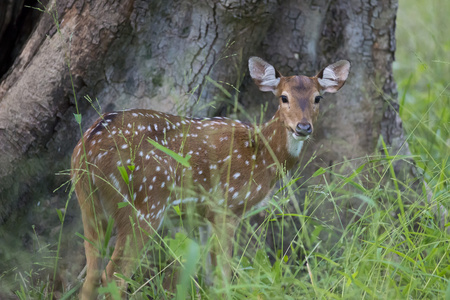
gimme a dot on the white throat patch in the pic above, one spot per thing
(294, 144)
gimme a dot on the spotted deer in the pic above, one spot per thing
(231, 166)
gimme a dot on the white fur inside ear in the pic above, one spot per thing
(329, 78)
(264, 74)
(269, 81)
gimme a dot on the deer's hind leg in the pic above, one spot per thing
(94, 225)
(135, 227)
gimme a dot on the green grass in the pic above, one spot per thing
(390, 248)
(422, 73)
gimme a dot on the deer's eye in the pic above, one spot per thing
(284, 99)
(317, 99)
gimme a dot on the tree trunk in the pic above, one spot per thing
(163, 55)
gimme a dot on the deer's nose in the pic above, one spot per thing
(303, 128)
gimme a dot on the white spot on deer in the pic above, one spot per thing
(150, 187)
(124, 146)
(140, 188)
(231, 189)
(158, 168)
(236, 175)
(239, 156)
(134, 114)
(247, 162)
(247, 195)
(163, 184)
(146, 199)
(235, 195)
(154, 179)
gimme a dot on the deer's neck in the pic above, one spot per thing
(281, 141)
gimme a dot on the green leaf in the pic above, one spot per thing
(182, 160)
(131, 167)
(320, 171)
(111, 289)
(327, 259)
(124, 174)
(78, 118)
(177, 210)
(108, 234)
(122, 204)
(61, 218)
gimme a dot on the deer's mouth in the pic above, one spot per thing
(299, 136)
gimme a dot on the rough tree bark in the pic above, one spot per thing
(159, 55)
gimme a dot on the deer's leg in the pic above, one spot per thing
(224, 227)
(128, 249)
(94, 228)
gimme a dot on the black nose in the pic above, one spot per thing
(303, 129)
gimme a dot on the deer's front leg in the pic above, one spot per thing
(224, 228)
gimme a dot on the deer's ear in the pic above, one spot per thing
(333, 77)
(264, 74)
